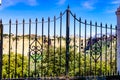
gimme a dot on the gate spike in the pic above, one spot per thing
(90, 22)
(10, 21)
(54, 18)
(29, 20)
(105, 25)
(60, 14)
(0, 21)
(42, 19)
(74, 15)
(36, 20)
(116, 27)
(23, 21)
(85, 21)
(16, 21)
(48, 19)
(96, 24)
(68, 6)
(111, 26)
(101, 24)
(80, 20)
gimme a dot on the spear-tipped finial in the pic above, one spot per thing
(1, 21)
(68, 6)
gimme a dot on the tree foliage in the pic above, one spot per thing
(52, 62)
(10, 67)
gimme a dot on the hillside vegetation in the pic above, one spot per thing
(51, 60)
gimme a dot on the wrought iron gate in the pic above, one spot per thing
(57, 49)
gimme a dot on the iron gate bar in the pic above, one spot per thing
(101, 31)
(74, 41)
(101, 49)
(79, 46)
(35, 50)
(54, 42)
(35, 44)
(111, 37)
(90, 46)
(48, 42)
(9, 48)
(1, 45)
(67, 40)
(42, 46)
(16, 38)
(106, 50)
(116, 51)
(95, 46)
(85, 50)
(23, 48)
(60, 40)
(29, 48)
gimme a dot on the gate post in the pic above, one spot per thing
(67, 41)
(1, 49)
(118, 39)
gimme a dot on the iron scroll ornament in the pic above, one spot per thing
(35, 50)
(95, 47)
(96, 50)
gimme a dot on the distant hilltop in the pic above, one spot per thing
(20, 40)
(12, 39)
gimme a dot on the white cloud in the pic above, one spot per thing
(61, 2)
(7, 3)
(89, 4)
(115, 2)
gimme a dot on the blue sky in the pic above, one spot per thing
(95, 10)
